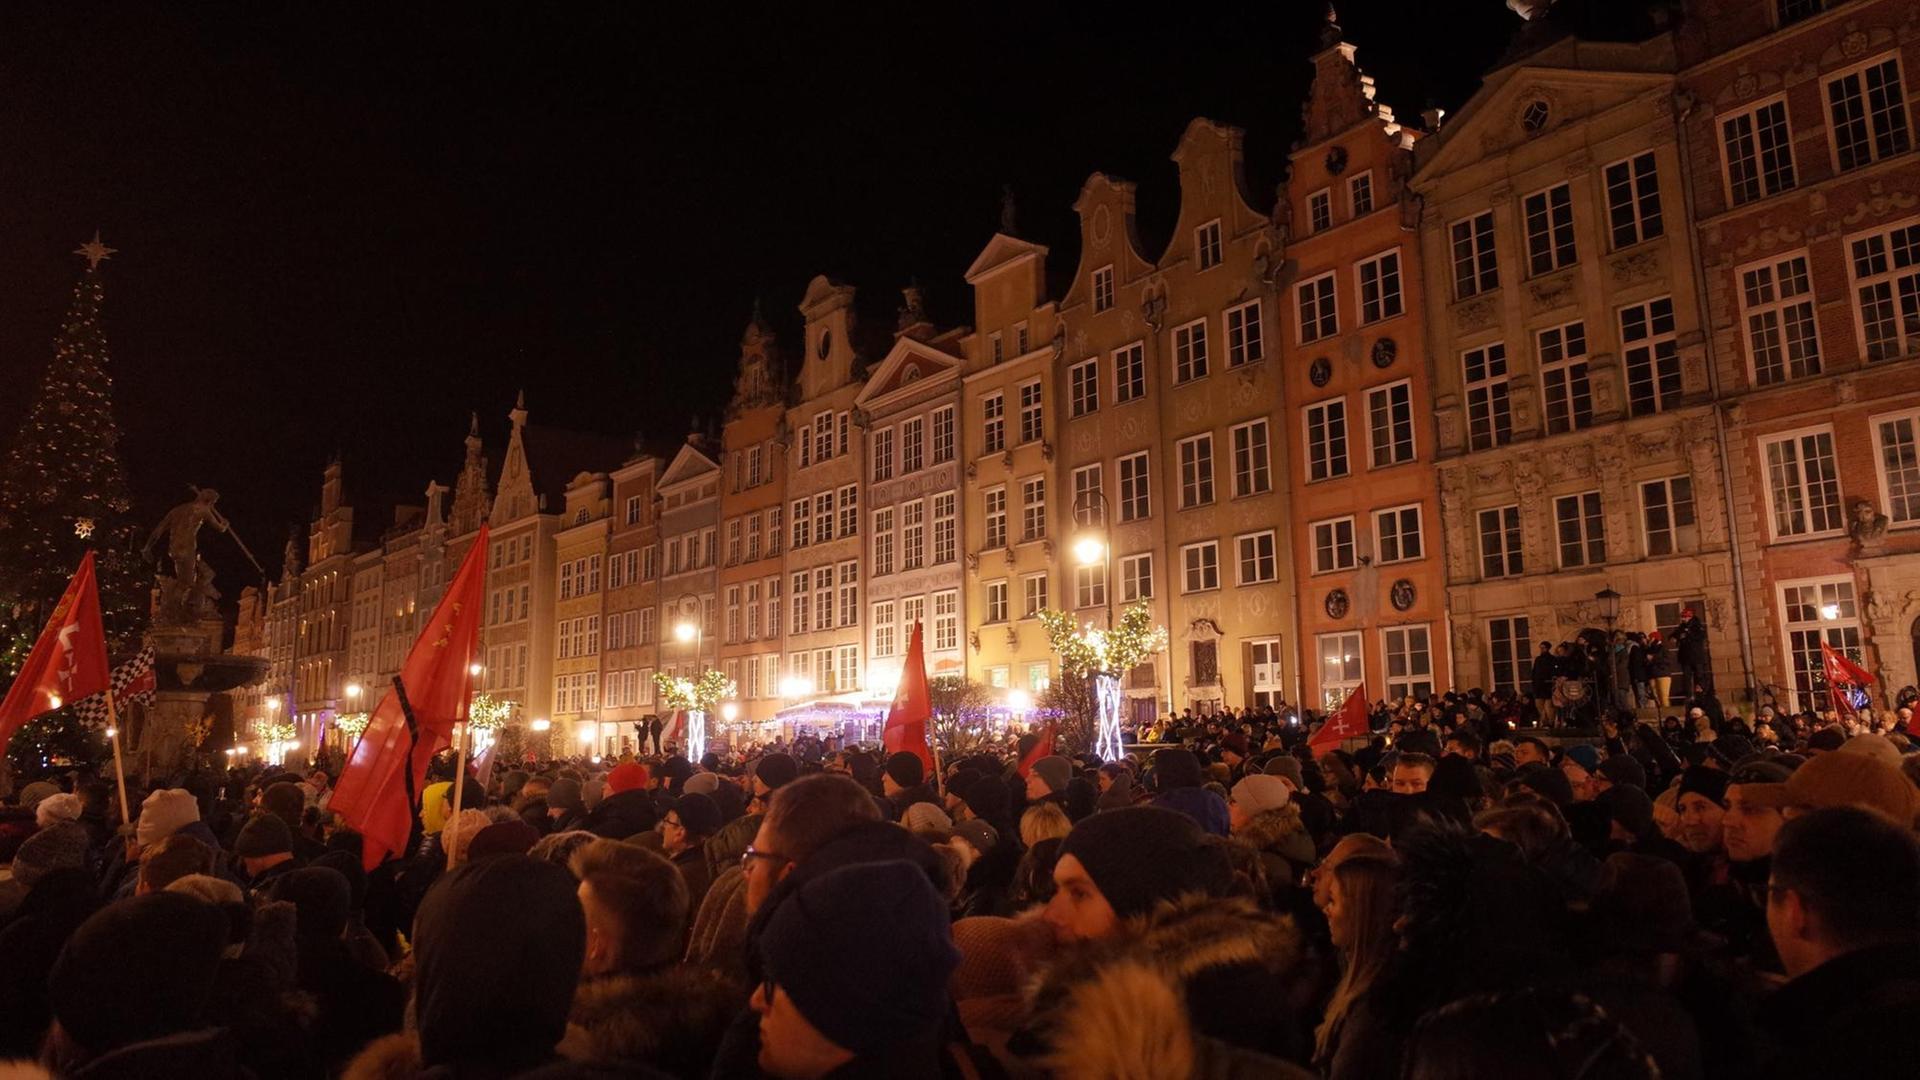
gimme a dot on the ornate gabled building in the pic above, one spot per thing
(753, 525)
(689, 530)
(325, 613)
(580, 545)
(630, 643)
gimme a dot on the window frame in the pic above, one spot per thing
(1489, 383)
(1354, 210)
(1083, 388)
(1636, 200)
(1670, 507)
(1272, 536)
(1398, 516)
(1652, 342)
(1556, 262)
(1129, 372)
(1411, 679)
(1774, 535)
(1129, 576)
(1204, 491)
(1587, 538)
(1186, 569)
(1779, 306)
(1875, 425)
(1190, 364)
(1393, 423)
(1513, 560)
(1398, 296)
(1252, 346)
(1573, 368)
(1144, 480)
(1320, 198)
(1352, 544)
(1480, 262)
(1751, 111)
(1908, 342)
(1329, 295)
(1859, 70)
(1259, 473)
(1207, 241)
(1101, 286)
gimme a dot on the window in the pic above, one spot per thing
(1190, 351)
(1136, 493)
(1196, 471)
(1314, 301)
(802, 600)
(1489, 416)
(1666, 507)
(1777, 299)
(1087, 493)
(883, 542)
(1867, 109)
(773, 608)
(913, 446)
(1409, 662)
(1758, 152)
(734, 623)
(1582, 529)
(1033, 595)
(1032, 427)
(823, 436)
(1886, 285)
(850, 593)
(1564, 380)
(1895, 442)
(633, 509)
(1333, 545)
(993, 434)
(883, 454)
(1130, 372)
(1816, 613)
(823, 517)
(1206, 245)
(1549, 216)
(1508, 642)
(1090, 586)
(1033, 508)
(1652, 356)
(1342, 667)
(994, 501)
(1320, 211)
(1136, 577)
(1102, 289)
(1083, 388)
(1633, 200)
(843, 425)
(1258, 558)
(943, 527)
(996, 605)
(1803, 487)
(733, 541)
(1380, 287)
(849, 678)
(1252, 461)
(1396, 534)
(943, 435)
(998, 345)
(1500, 545)
(1476, 269)
(823, 598)
(802, 523)
(883, 628)
(773, 533)
(1020, 339)
(913, 535)
(1245, 345)
(1390, 424)
(946, 620)
(1792, 11)
(1360, 193)
(753, 611)
(1327, 440)
(1200, 564)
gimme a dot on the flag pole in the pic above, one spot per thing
(119, 770)
(459, 783)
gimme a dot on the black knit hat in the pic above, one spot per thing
(1630, 807)
(138, 969)
(321, 898)
(1141, 855)
(776, 770)
(988, 797)
(865, 952)
(1700, 780)
(263, 834)
(1624, 769)
(906, 769)
(1176, 768)
(699, 814)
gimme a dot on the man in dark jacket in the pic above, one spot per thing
(627, 809)
(1840, 906)
(904, 782)
(1546, 668)
(1177, 777)
(1696, 660)
(356, 1003)
(683, 839)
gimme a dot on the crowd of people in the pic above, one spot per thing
(1460, 895)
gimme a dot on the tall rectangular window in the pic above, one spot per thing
(913, 446)
(1130, 372)
(946, 620)
(1136, 492)
(1360, 193)
(1245, 341)
(1816, 613)
(802, 602)
(1396, 534)
(1549, 217)
(1320, 211)
(1196, 471)
(1409, 655)
(993, 423)
(1652, 354)
(943, 527)
(1489, 416)
(1314, 301)
(1867, 108)
(823, 436)
(1136, 577)
(1252, 459)
(1032, 424)
(1327, 440)
(1033, 508)
(1257, 555)
(1509, 652)
(823, 517)
(994, 506)
(1333, 545)
(1886, 289)
(1102, 289)
(734, 538)
(1896, 445)
(1390, 424)
(1087, 493)
(1803, 485)
(1206, 245)
(1089, 586)
(1033, 595)
(1582, 529)
(1380, 287)
(1666, 507)
(1564, 379)
(913, 534)
(883, 542)
(1633, 200)
(850, 593)
(802, 523)
(1757, 152)
(823, 598)
(1476, 268)
(883, 454)
(1200, 566)
(1342, 667)
(850, 510)
(1083, 388)
(1782, 340)
(883, 628)
(1190, 351)
(996, 602)
(1500, 554)
(943, 435)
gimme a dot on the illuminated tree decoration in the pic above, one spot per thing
(1100, 656)
(268, 731)
(351, 724)
(488, 713)
(701, 694)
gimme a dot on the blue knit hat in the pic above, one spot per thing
(865, 952)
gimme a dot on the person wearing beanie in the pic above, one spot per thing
(630, 776)
(985, 798)
(904, 784)
(1047, 780)
(1841, 779)
(1177, 777)
(824, 1008)
(1618, 770)
(926, 819)
(770, 774)
(170, 860)
(1287, 767)
(264, 851)
(1632, 827)
(57, 808)
(628, 808)
(1265, 819)
(356, 1004)
(592, 791)
(512, 837)
(566, 806)
(1548, 782)
(33, 794)
(1119, 864)
(164, 813)
(63, 846)
(705, 783)
(684, 833)
(288, 801)
(978, 835)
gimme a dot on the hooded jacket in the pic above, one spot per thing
(670, 1019)
(1285, 847)
(622, 815)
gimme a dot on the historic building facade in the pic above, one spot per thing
(630, 638)
(753, 526)
(325, 612)
(579, 613)
(1365, 523)
(689, 490)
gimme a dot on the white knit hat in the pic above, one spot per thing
(165, 812)
(1259, 792)
(53, 808)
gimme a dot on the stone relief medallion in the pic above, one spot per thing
(1084, 440)
(1192, 410)
(1253, 603)
(1401, 594)
(1385, 352)
(1321, 371)
(1102, 227)
(1245, 392)
(1337, 160)
(1337, 604)
(1131, 428)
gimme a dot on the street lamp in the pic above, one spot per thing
(475, 670)
(353, 691)
(1609, 606)
(541, 724)
(1096, 547)
(795, 687)
(730, 711)
(1019, 700)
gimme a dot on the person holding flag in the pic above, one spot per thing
(68, 664)
(1844, 679)
(1348, 722)
(912, 709)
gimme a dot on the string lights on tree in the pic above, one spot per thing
(696, 697)
(1101, 656)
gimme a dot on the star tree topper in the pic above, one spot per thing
(94, 251)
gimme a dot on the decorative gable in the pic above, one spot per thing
(908, 362)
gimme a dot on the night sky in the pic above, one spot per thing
(343, 227)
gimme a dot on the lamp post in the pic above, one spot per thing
(1609, 606)
(690, 630)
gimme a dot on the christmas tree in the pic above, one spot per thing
(62, 489)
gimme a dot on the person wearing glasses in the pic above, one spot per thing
(684, 833)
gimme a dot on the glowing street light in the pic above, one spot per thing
(541, 724)
(730, 711)
(1019, 700)
(796, 686)
(353, 690)
(475, 670)
(1089, 550)
(685, 631)
(586, 736)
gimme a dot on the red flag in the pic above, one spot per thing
(68, 662)
(1041, 748)
(1350, 722)
(912, 708)
(1842, 674)
(438, 674)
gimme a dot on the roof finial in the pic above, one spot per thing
(473, 424)
(1330, 27)
(94, 251)
(1006, 210)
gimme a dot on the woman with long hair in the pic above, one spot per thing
(1360, 912)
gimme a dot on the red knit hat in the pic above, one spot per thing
(628, 777)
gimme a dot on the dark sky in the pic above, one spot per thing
(342, 227)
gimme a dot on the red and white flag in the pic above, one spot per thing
(438, 676)
(1843, 675)
(1349, 722)
(912, 708)
(68, 661)
(1042, 747)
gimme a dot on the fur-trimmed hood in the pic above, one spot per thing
(671, 1019)
(1279, 831)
